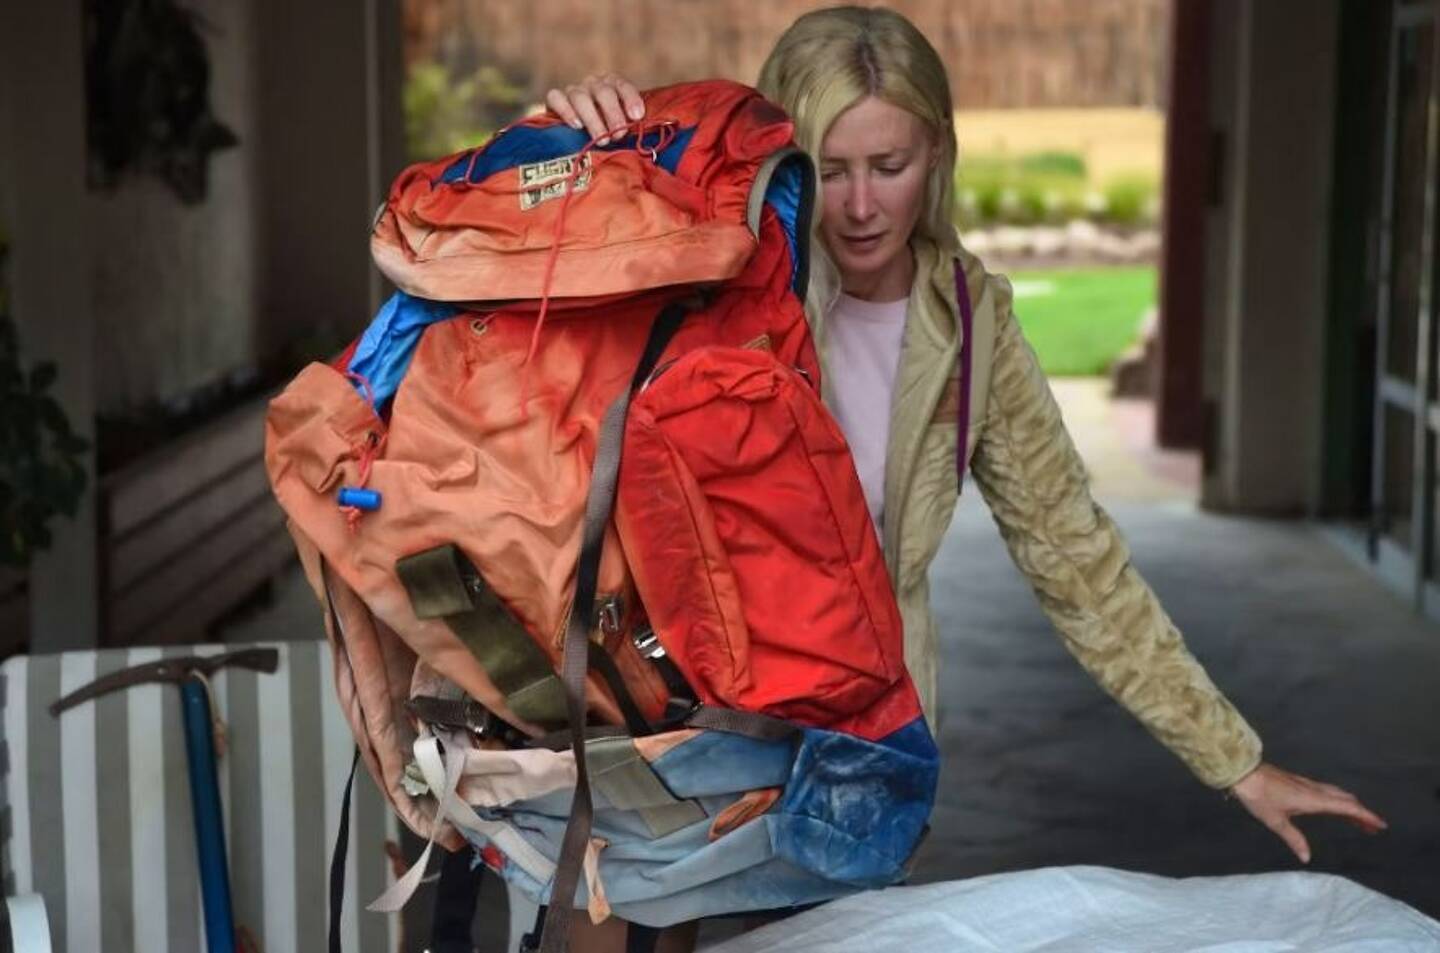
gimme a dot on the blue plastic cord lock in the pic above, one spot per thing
(366, 500)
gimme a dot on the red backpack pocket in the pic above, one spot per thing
(746, 529)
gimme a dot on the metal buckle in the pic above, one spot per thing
(647, 643)
(478, 719)
(654, 375)
(610, 614)
(678, 712)
(474, 583)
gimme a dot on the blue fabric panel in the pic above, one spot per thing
(784, 194)
(771, 884)
(523, 145)
(850, 817)
(914, 739)
(829, 851)
(385, 349)
(683, 876)
(717, 762)
(846, 792)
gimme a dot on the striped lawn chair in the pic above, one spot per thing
(98, 814)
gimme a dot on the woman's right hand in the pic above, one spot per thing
(601, 105)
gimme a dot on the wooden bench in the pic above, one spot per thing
(188, 533)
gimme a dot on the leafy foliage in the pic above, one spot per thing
(1066, 164)
(42, 472)
(1131, 200)
(445, 114)
(1047, 187)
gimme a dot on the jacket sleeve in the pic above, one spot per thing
(1036, 487)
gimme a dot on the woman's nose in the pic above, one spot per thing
(860, 202)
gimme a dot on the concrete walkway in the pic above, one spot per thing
(1336, 674)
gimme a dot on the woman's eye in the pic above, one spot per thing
(890, 169)
(830, 175)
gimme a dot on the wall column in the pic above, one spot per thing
(43, 211)
(1266, 284)
(330, 139)
(1179, 390)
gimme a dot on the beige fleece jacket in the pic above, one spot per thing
(1035, 484)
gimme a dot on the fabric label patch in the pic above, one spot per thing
(543, 181)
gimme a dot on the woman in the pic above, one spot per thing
(871, 102)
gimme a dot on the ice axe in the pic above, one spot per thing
(191, 673)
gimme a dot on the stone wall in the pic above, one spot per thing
(1001, 53)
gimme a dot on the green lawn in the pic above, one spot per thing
(1080, 320)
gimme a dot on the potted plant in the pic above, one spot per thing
(42, 469)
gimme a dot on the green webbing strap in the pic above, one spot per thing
(442, 584)
(436, 581)
(629, 783)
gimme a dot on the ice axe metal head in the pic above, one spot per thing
(170, 671)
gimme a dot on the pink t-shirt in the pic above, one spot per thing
(862, 357)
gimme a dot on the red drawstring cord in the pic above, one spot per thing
(666, 129)
(367, 390)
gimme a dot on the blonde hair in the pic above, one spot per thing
(831, 59)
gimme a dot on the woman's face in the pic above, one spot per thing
(875, 161)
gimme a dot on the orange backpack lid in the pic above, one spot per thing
(540, 212)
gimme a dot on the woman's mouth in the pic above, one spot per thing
(862, 243)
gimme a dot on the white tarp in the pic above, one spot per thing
(1100, 910)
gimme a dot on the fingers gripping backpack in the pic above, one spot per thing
(604, 596)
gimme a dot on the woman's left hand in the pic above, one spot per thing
(1275, 796)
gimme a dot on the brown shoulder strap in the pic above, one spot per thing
(604, 479)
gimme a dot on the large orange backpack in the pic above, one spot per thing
(603, 590)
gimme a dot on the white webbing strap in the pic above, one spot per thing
(443, 787)
(598, 906)
(442, 767)
(516, 848)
